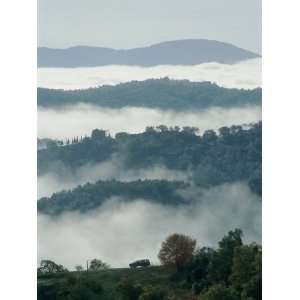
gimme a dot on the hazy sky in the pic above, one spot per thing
(135, 23)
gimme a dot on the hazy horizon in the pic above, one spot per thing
(133, 24)
(143, 46)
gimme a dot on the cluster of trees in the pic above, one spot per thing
(232, 154)
(153, 93)
(233, 270)
(230, 272)
(90, 196)
(50, 267)
(97, 265)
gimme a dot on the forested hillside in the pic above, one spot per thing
(232, 154)
(91, 196)
(163, 93)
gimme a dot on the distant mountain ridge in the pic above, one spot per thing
(180, 52)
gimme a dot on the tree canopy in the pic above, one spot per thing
(97, 265)
(49, 267)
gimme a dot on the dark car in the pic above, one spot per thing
(140, 263)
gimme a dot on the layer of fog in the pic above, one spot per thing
(119, 233)
(81, 119)
(53, 182)
(246, 74)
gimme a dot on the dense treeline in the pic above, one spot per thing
(91, 196)
(153, 93)
(234, 154)
(230, 272)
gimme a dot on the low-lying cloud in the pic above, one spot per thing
(119, 233)
(246, 74)
(81, 119)
(52, 182)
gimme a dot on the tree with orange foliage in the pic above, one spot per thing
(177, 250)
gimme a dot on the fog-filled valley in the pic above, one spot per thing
(80, 120)
(133, 106)
(52, 182)
(149, 150)
(140, 198)
(120, 232)
(245, 74)
(127, 157)
(168, 156)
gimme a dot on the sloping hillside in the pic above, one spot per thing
(110, 279)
